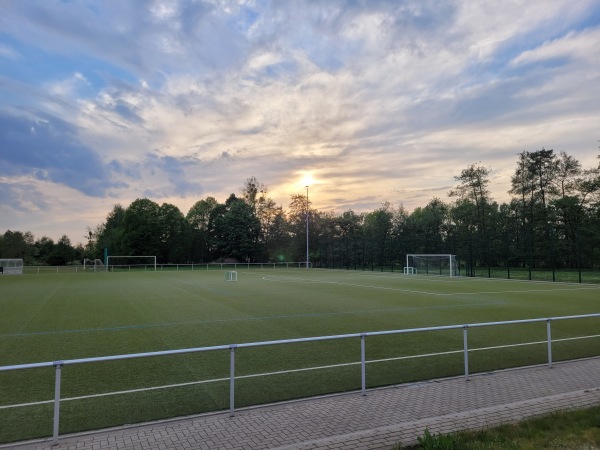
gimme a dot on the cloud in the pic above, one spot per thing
(48, 148)
(20, 197)
(176, 181)
(8, 52)
(380, 100)
(574, 45)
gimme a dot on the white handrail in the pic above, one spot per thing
(232, 347)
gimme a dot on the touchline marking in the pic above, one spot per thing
(283, 279)
(242, 319)
(309, 280)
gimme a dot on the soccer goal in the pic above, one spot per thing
(431, 264)
(93, 264)
(130, 262)
(11, 266)
(231, 275)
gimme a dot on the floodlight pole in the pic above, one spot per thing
(307, 206)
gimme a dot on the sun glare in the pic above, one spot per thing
(308, 180)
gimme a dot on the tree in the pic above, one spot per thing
(473, 209)
(43, 249)
(378, 227)
(543, 167)
(198, 217)
(587, 186)
(268, 213)
(175, 234)
(567, 171)
(523, 186)
(473, 186)
(16, 244)
(350, 227)
(110, 234)
(142, 230)
(254, 192)
(299, 209)
(234, 230)
(62, 253)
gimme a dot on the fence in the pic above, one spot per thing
(38, 270)
(509, 272)
(58, 365)
(499, 271)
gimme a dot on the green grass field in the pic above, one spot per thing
(53, 317)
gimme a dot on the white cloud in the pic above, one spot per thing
(379, 100)
(8, 52)
(68, 87)
(574, 45)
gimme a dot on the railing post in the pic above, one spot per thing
(466, 351)
(58, 366)
(231, 379)
(363, 372)
(549, 334)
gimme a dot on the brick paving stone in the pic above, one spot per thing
(381, 419)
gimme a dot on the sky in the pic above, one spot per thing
(104, 102)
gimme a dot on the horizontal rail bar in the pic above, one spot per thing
(284, 372)
(283, 341)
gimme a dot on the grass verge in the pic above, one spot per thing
(572, 430)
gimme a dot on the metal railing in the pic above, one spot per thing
(58, 365)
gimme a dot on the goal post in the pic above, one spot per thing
(231, 275)
(93, 264)
(432, 264)
(128, 261)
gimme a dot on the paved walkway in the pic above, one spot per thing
(381, 419)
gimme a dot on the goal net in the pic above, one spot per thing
(231, 275)
(431, 264)
(130, 262)
(93, 264)
(11, 266)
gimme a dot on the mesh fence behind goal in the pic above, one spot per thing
(429, 264)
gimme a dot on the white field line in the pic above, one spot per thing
(281, 372)
(446, 279)
(284, 279)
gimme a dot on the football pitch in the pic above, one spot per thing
(58, 317)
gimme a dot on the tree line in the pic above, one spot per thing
(551, 221)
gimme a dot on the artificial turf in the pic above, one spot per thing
(67, 316)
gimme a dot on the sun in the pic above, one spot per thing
(308, 180)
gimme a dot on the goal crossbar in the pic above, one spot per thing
(231, 275)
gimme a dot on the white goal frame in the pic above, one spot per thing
(108, 258)
(231, 275)
(93, 264)
(446, 263)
